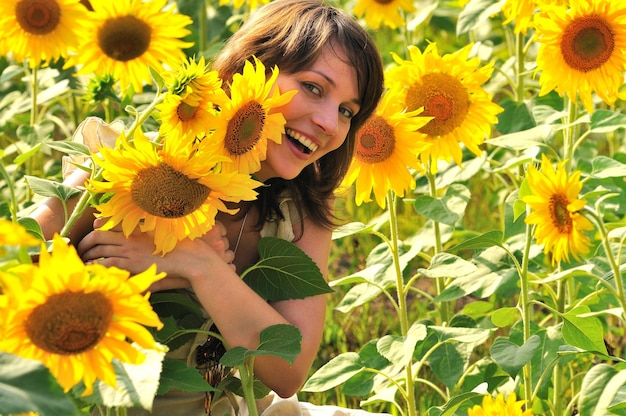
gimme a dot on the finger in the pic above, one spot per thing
(221, 227)
(229, 256)
(99, 222)
(96, 238)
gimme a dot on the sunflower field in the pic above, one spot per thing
(480, 266)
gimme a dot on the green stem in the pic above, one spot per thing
(438, 248)
(82, 204)
(12, 199)
(520, 52)
(568, 135)
(246, 373)
(202, 25)
(33, 97)
(402, 293)
(526, 312)
(557, 372)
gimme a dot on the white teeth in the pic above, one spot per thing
(303, 140)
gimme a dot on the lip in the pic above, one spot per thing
(296, 149)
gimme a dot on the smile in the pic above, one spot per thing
(306, 145)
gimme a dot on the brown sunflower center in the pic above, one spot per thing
(245, 128)
(561, 218)
(444, 98)
(70, 322)
(588, 42)
(186, 112)
(376, 140)
(384, 1)
(165, 192)
(38, 17)
(124, 38)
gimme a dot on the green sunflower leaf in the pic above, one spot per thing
(48, 188)
(280, 340)
(284, 272)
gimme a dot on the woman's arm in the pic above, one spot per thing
(239, 313)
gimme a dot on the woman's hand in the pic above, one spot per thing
(134, 253)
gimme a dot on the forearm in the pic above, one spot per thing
(241, 315)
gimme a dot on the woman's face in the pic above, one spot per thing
(317, 118)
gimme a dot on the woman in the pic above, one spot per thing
(336, 70)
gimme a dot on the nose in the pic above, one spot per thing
(326, 118)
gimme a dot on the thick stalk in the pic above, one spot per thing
(202, 26)
(439, 283)
(557, 373)
(568, 135)
(520, 52)
(33, 97)
(402, 293)
(12, 202)
(247, 385)
(526, 312)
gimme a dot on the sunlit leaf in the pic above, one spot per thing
(605, 121)
(605, 167)
(599, 389)
(448, 265)
(334, 373)
(475, 13)
(136, 384)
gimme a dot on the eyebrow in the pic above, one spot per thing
(331, 81)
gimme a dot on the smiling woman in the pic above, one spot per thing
(301, 77)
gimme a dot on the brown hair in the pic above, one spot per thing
(291, 34)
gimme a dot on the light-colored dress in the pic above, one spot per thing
(95, 133)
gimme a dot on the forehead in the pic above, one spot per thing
(333, 64)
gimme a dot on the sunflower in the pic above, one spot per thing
(450, 89)
(189, 107)
(128, 37)
(12, 234)
(75, 318)
(555, 207)
(522, 11)
(387, 148)
(248, 120)
(385, 12)
(581, 50)
(42, 31)
(174, 192)
(512, 407)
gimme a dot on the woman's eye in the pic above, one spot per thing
(346, 112)
(313, 88)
